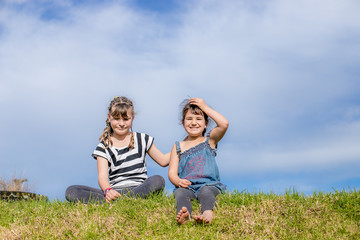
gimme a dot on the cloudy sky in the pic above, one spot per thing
(284, 73)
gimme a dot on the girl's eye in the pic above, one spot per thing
(124, 119)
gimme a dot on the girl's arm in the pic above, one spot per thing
(173, 171)
(222, 123)
(103, 179)
(158, 156)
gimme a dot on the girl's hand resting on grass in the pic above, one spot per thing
(184, 183)
(112, 195)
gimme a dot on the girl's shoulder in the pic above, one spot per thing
(143, 139)
(101, 145)
(179, 144)
(142, 135)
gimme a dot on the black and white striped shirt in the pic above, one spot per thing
(127, 167)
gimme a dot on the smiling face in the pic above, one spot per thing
(120, 123)
(194, 120)
(194, 124)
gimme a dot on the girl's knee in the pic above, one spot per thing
(208, 191)
(179, 192)
(158, 181)
(70, 192)
(71, 189)
(184, 193)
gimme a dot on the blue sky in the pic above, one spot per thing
(285, 74)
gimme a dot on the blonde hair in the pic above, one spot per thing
(120, 107)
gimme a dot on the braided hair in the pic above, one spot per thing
(118, 108)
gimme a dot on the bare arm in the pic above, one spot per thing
(158, 156)
(173, 171)
(222, 123)
(103, 179)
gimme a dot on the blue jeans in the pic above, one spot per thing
(206, 197)
(85, 194)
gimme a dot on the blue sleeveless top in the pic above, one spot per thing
(198, 165)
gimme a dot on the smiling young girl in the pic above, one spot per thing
(120, 159)
(192, 167)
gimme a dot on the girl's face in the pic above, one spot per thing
(194, 124)
(121, 125)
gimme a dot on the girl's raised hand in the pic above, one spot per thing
(184, 183)
(198, 102)
(221, 122)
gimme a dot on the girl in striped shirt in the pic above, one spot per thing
(120, 157)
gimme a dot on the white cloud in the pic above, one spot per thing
(335, 147)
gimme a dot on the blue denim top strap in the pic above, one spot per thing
(198, 165)
(178, 150)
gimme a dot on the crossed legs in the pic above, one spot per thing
(153, 184)
(85, 194)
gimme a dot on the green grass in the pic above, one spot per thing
(240, 215)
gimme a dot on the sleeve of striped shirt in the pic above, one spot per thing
(99, 151)
(149, 141)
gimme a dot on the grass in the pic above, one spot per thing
(16, 184)
(240, 215)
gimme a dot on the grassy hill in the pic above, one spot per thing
(240, 215)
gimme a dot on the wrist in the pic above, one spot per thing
(107, 190)
(205, 108)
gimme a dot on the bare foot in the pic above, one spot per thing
(206, 217)
(183, 216)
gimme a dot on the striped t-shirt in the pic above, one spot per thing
(127, 167)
